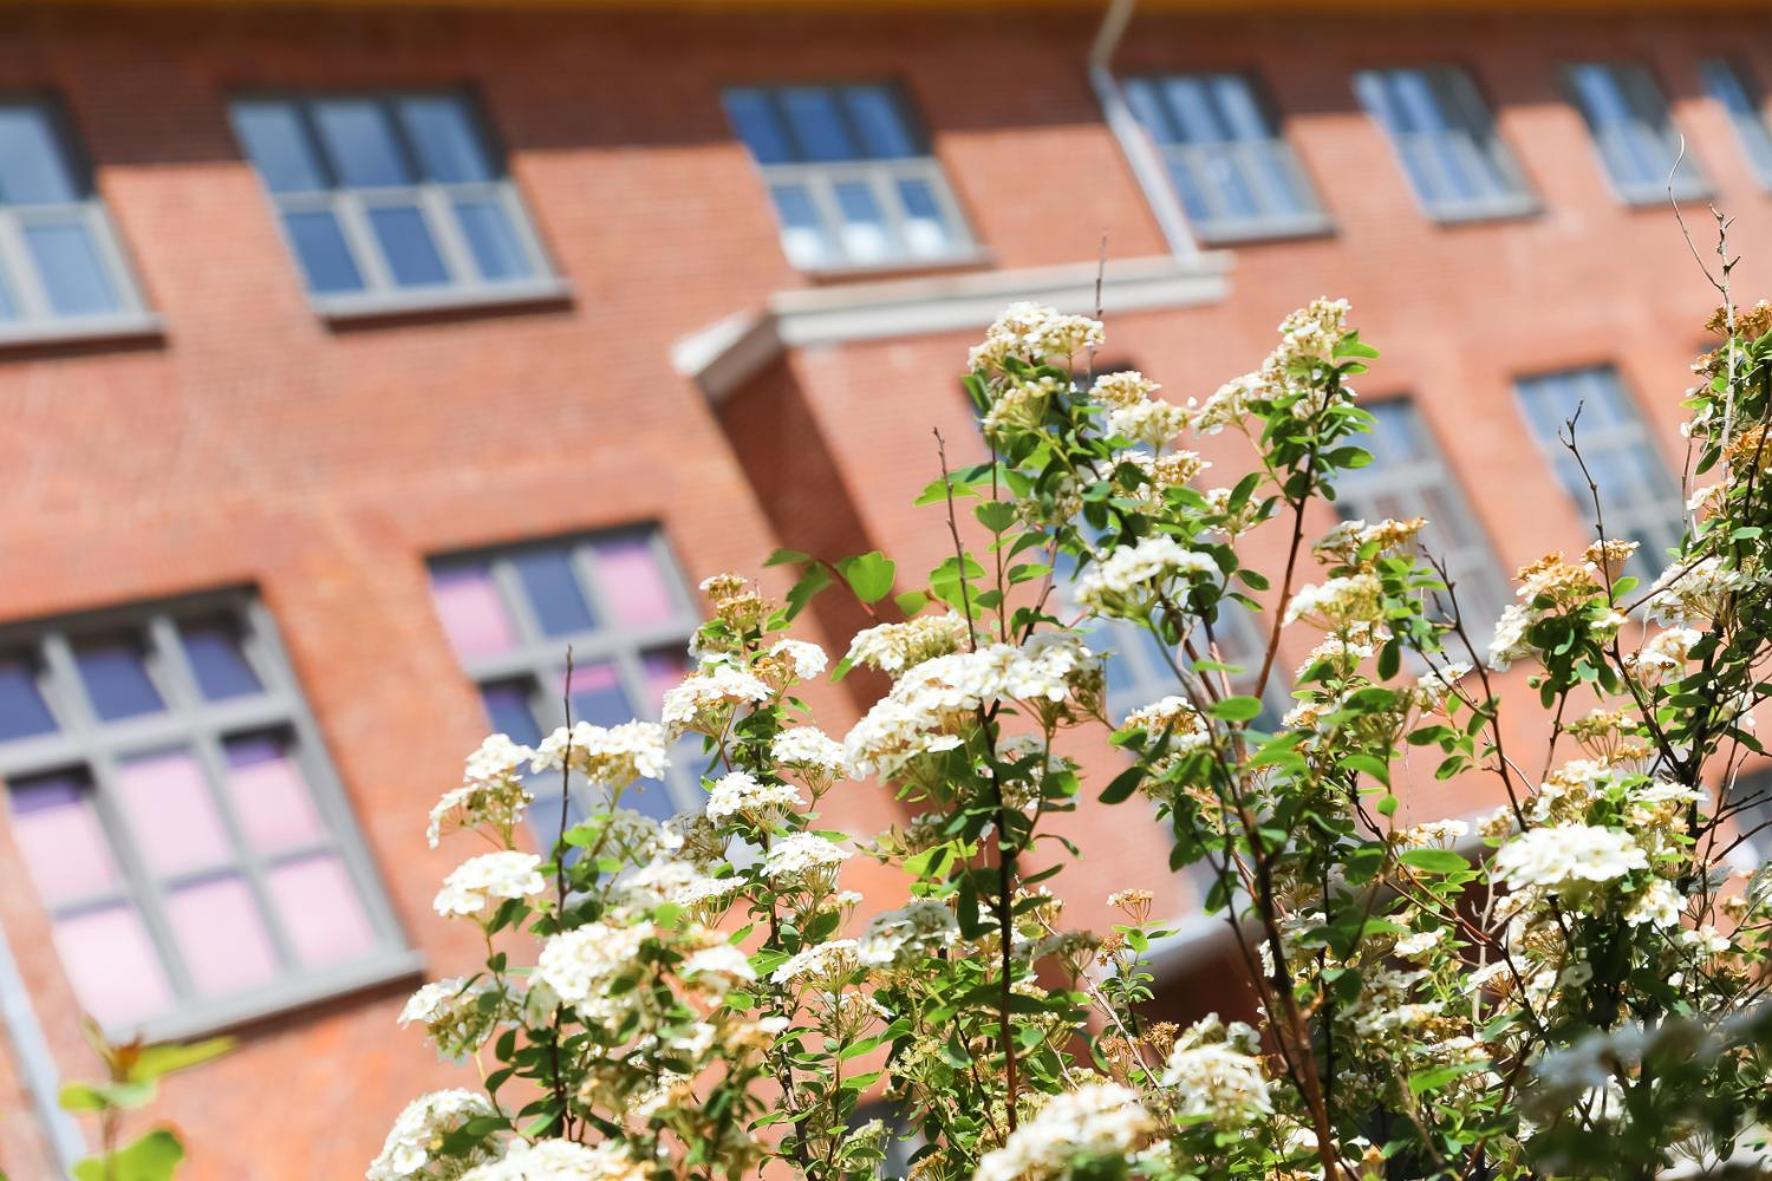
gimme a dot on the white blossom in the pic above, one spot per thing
(740, 794)
(1215, 1070)
(1556, 857)
(1094, 1120)
(609, 756)
(418, 1133)
(809, 749)
(491, 791)
(1129, 578)
(706, 700)
(808, 659)
(477, 882)
(894, 647)
(560, 1160)
(803, 858)
(579, 964)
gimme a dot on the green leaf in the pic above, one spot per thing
(1434, 860)
(1387, 806)
(151, 1158)
(158, 1061)
(1237, 709)
(787, 557)
(995, 515)
(105, 1096)
(1123, 785)
(1433, 1080)
(911, 601)
(813, 581)
(870, 576)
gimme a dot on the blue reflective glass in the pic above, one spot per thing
(117, 682)
(360, 142)
(33, 169)
(407, 245)
(597, 696)
(816, 123)
(1730, 88)
(325, 259)
(753, 116)
(448, 144)
(878, 119)
(8, 305)
(555, 598)
(1141, 96)
(498, 249)
(23, 712)
(218, 662)
(1193, 111)
(507, 709)
(652, 799)
(74, 275)
(278, 146)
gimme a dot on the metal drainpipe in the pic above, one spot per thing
(36, 1064)
(1141, 153)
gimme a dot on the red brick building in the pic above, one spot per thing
(354, 358)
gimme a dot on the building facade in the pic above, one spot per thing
(355, 359)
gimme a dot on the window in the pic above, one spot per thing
(1731, 86)
(392, 201)
(850, 175)
(618, 601)
(62, 271)
(1638, 493)
(1446, 139)
(1748, 802)
(1237, 178)
(1408, 478)
(1636, 138)
(179, 819)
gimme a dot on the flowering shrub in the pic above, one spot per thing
(1571, 989)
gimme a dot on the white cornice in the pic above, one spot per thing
(727, 353)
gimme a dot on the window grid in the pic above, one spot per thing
(1236, 175)
(533, 662)
(849, 192)
(62, 267)
(357, 247)
(1443, 133)
(1633, 131)
(1733, 87)
(1639, 495)
(90, 754)
(1408, 478)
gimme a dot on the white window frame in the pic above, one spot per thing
(1651, 122)
(537, 659)
(351, 207)
(96, 748)
(37, 320)
(1474, 137)
(821, 178)
(1363, 493)
(1249, 158)
(1661, 515)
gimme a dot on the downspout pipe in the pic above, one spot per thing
(36, 1064)
(1141, 152)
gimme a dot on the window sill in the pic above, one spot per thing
(358, 308)
(1657, 198)
(1512, 211)
(123, 326)
(282, 999)
(906, 268)
(1252, 233)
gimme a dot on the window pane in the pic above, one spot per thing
(117, 682)
(753, 116)
(473, 614)
(864, 232)
(447, 142)
(320, 911)
(498, 249)
(218, 661)
(597, 696)
(816, 124)
(632, 582)
(360, 143)
(407, 245)
(802, 230)
(116, 973)
(554, 595)
(73, 272)
(270, 795)
(57, 829)
(221, 935)
(1237, 106)
(172, 816)
(278, 146)
(33, 169)
(1193, 114)
(665, 670)
(1730, 88)
(508, 709)
(23, 712)
(878, 120)
(924, 230)
(326, 261)
(8, 304)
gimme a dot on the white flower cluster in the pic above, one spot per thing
(560, 1160)
(452, 1014)
(807, 659)
(1095, 1120)
(418, 1132)
(1034, 333)
(580, 964)
(491, 791)
(679, 883)
(1555, 858)
(894, 647)
(804, 860)
(811, 751)
(610, 756)
(480, 881)
(1338, 603)
(821, 965)
(921, 927)
(1133, 414)
(740, 794)
(704, 702)
(1215, 1069)
(1129, 580)
(1694, 591)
